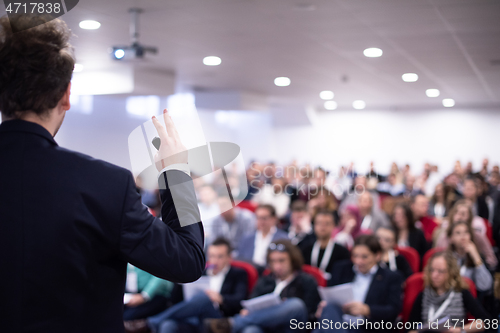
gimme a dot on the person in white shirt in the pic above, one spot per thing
(274, 194)
(286, 282)
(253, 248)
(376, 291)
(227, 286)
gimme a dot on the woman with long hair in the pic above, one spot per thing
(462, 211)
(464, 249)
(445, 295)
(407, 235)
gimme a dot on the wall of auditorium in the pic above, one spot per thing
(331, 138)
(102, 131)
(437, 136)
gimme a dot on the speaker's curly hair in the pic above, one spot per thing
(36, 63)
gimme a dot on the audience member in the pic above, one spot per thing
(298, 291)
(445, 295)
(253, 248)
(227, 288)
(323, 252)
(419, 208)
(406, 232)
(464, 249)
(274, 194)
(233, 223)
(146, 296)
(391, 186)
(462, 211)
(300, 231)
(372, 218)
(348, 228)
(377, 291)
(390, 258)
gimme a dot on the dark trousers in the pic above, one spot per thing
(154, 306)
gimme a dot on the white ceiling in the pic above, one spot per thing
(450, 44)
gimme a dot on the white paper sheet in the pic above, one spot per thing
(338, 295)
(191, 289)
(261, 302)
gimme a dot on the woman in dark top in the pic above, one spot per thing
(445, 295)
(406, 232)
(391, 258)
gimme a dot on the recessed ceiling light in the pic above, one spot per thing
(90, 25)
(212, 61)
(78, 68)
(373, 52)
(119, 53)
(282, 81)
(359, 104)
(432, 92)
(410, 77)
(330, 105)
(326, 95)
(448, 102)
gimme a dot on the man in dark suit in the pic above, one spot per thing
(322, 252)
(228, 286)
(70, 223)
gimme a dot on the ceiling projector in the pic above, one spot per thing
(135, 50)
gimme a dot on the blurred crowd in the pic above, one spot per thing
(414, 247)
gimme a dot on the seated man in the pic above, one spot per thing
(146, 294)
(233, 223)
(228, 286)
(253, 248)
(323, 252)
(420, 209)
(376, 290)
(300, 231)
(298, 291)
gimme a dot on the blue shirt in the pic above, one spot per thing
(361, 283)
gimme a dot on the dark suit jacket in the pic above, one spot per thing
(303, 286)
(384, 294)
(233, 290)
(417, 240)
(69, 225)
(339, 253)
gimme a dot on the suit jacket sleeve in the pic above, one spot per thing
(232, 300)
(164, 248)
(391, 309)
(311, 295)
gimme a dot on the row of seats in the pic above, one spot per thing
(413, 285)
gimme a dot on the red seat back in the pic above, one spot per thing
(489, 232)
(247, 204)
(252, 273)
(412, 256)
(316, 273)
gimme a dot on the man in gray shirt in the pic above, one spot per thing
(233, 224)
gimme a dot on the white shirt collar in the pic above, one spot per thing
(372, 270)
